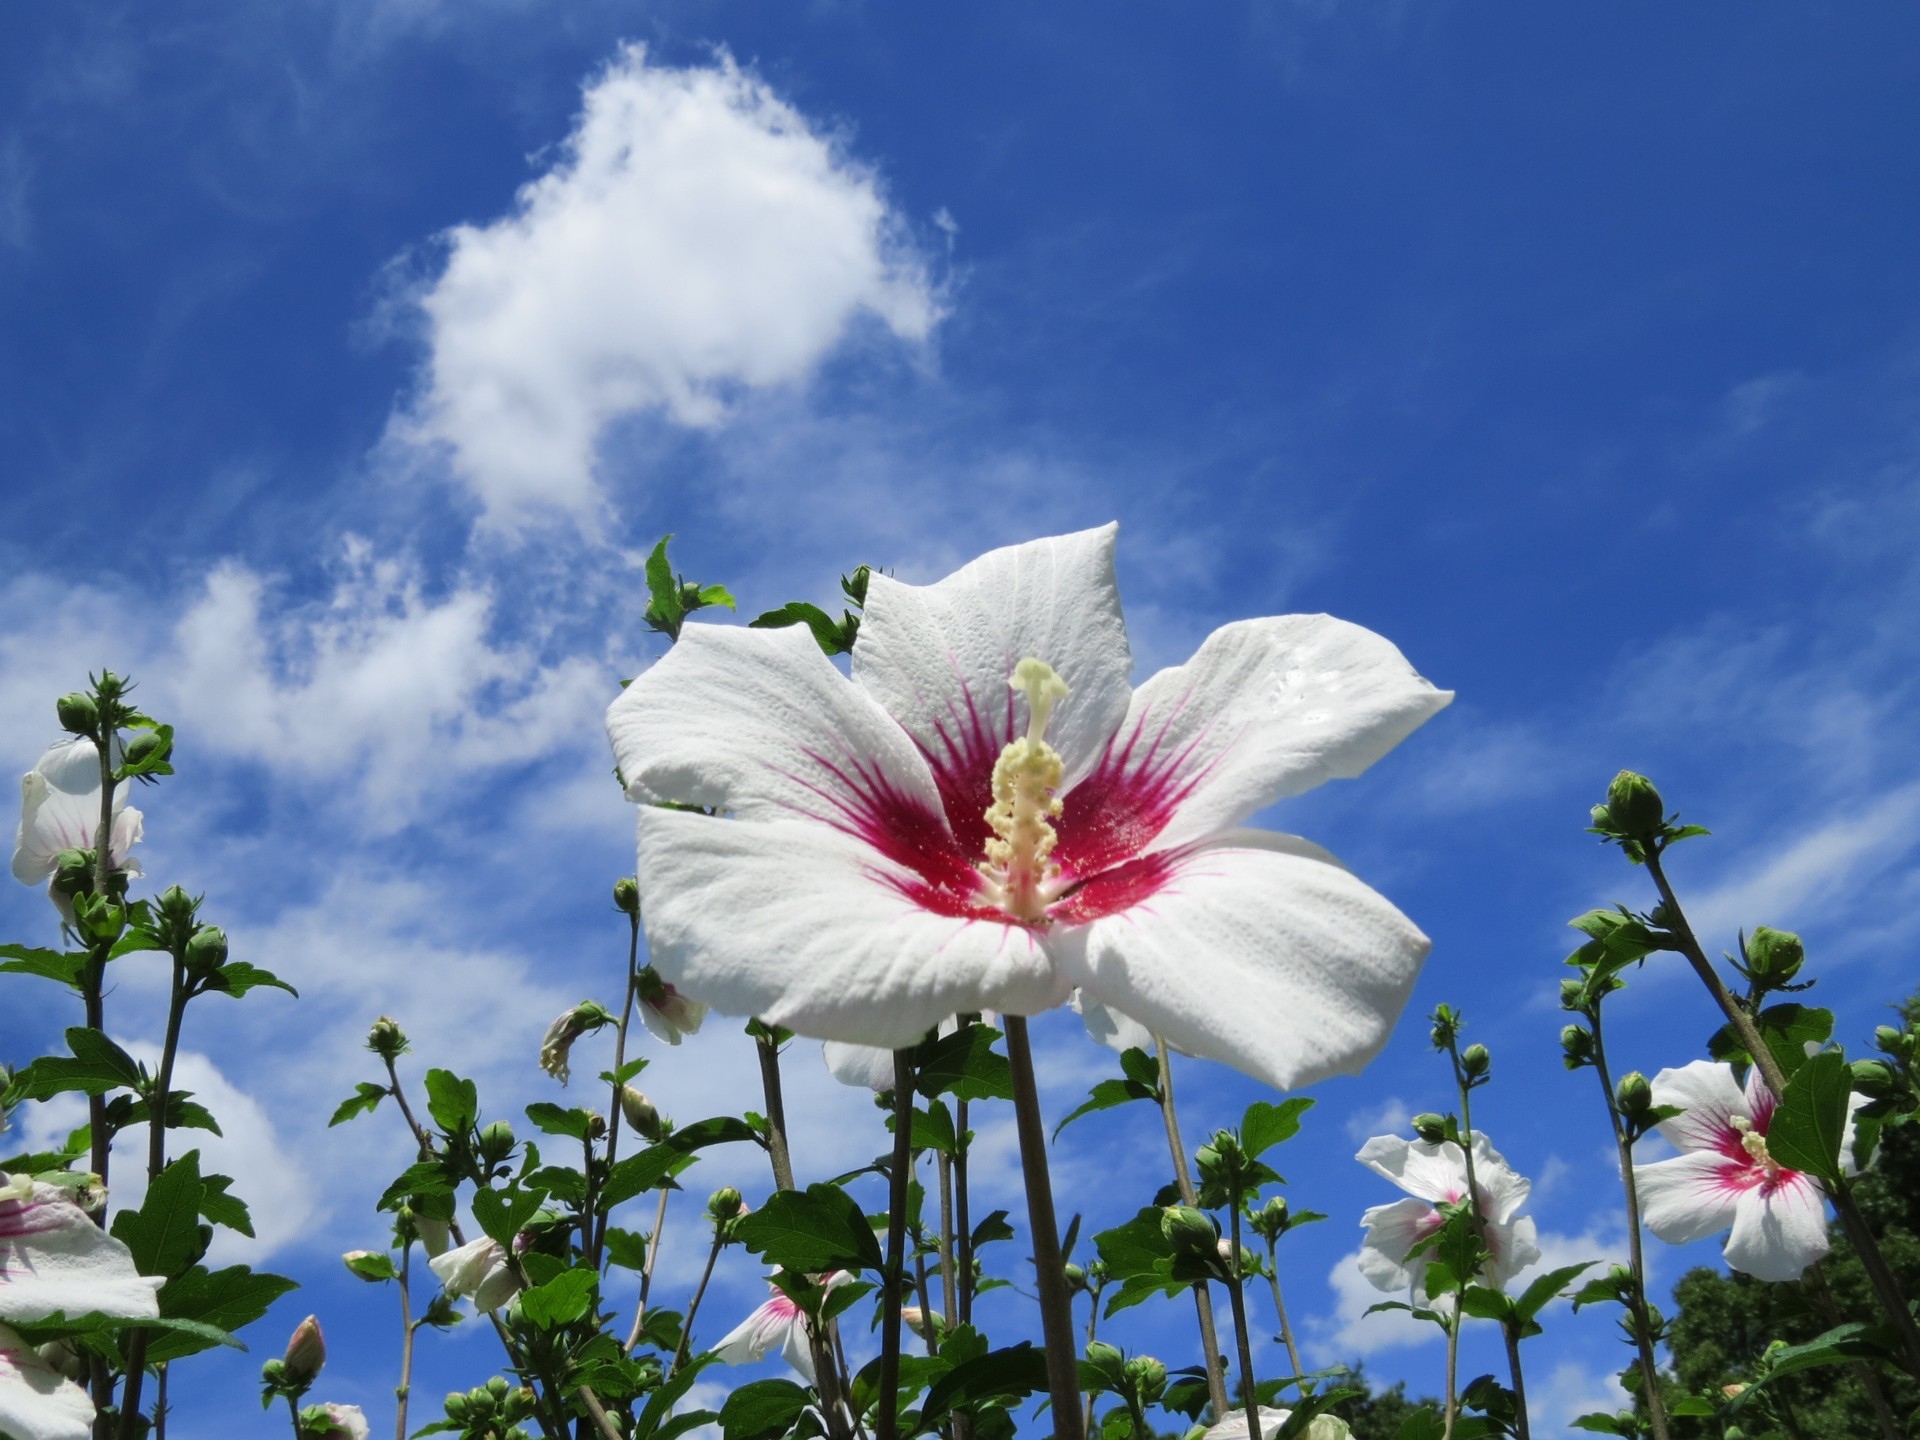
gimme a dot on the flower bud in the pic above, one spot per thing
(1430, 1127)
(207, 950)
(1875, 1079)
(306, 1353)
(1634, 806)
(724, 1204)
(1148, 1375)
(1188, 1230)
(1446, 1026)
(626, 896)
(1475, 1061)
(147, 747)
(1733, 1390)
(78, 713)
(1633, 1095)
(640, 1115)
(386, 1039)
(1103, 1356)
(1076, 1278)
(370, 1265)
(1774, 956)
(457, 1406)
(496, 1142)
(1576, 1046)
(498, 1386)
(1599, 819)
(1886, 1038)
(1573, 994)
(73, 872)
(175, 905)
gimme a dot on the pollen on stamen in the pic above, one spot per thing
(1025, 778)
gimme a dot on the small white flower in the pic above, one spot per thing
(59, 811)
(346, 1421)
(1436, 1173)
(1321, 1427)
(478, 1268)
(1726, 1177)
(667, 1014)
(780, 1325)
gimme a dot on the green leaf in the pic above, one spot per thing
(932, 1129)
(551, 1119)
(96, 1066)
(454, 1103)
(236, 978)
(373, 1266)
(1009, 1374)
(1105, 1095)
(1485, 1304)
(224, 1209)
(424, 1177)
(1810, 1122)
(716, 595)
(966, 1066)
(1265, 1126)
(365, 1099)
(762, 1409)
(829, 634)
(994, 1227)
(1423, 1424)
(1786, 1029)
(227, 1300)
(48, 964)
(639, 1173)
(664, 611)
(1843, 1343)
(1137, 1065)
(503, 1214)
(1600, 1423)
(811, 1231)
(164, 1233)
(626, 1249)
(561, 1301)
(1545, 1287)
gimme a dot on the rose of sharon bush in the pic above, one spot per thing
(919, 841)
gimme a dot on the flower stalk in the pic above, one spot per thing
(1236, 1292)
(887, 1424)
(1202, 1292)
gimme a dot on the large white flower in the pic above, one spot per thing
(1432, 1173)
(1321, 1427)
(1724, 1175)
(55, 1260)
(478, 1268)
(60, 810)
(894, 850)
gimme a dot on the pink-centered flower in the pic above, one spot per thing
(1434, 1173)
(55, 1260)
(779, 1324)
(988, 815)
(1724, 1175)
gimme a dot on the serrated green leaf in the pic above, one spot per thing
(1009, 1374)
(560, 1301)
(811, 1231)
(1265, 1126)
(502, 1214)
(965, 1065)
(222, 1208)
(164, 1233)
(762, 1409)
(236, 978)
(1810, 1122)
(1544, 1288)
(227, 1300)
(64, 967)
(363, 1101)
(454, 1103)
(551, 1119)
(1107, 1095)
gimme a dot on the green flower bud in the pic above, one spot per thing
(386, 1039)
(1430, 1127)
(1599, 819)
(1888, 1039)
(207, 950)
(1775, 956)
(148, 746)
(1475, 1061)
(457, 1407)
(78, 713)
(626, 896)
(306, 1354)
(1573, 994)
(640, 1115)
(1076, 1278)
(175, 906)
(496, 1142)
(596, 1125)
(1634, 806)
(1188, 1231)
(1875, 1079)
(1576, 1043)
(725, 1204)
(73, 872)
(1634, 1095)
(1446, 1026)
(1103, 1356)
(1148, 1375)
(498, 1387)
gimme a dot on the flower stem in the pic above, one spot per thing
(1452, 1413)
(1202, 1292)
(1280, 1306)
(1056, 1305)
(404, 1390)
(1859, 1232)
(699, 1293)
(1636, 1262)
(887, 1422)
(1511, 1332)
(1237, 1293)
(949, 1304)
(615, 1110)
(962, 1221)
(646, 1272)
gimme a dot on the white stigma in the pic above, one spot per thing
(1024, 780)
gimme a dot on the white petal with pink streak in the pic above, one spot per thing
(1778, 1230)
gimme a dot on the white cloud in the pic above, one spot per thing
(1390, 1117)
(1568, 1391)
(697, 236)
(1350, 1333)
(379, 688)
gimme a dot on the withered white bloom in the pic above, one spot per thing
(478, 1269)
(1433, 1173)
(556, 1049)
(919, 842)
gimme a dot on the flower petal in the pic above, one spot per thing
(1433, 1170)
(1107, 1025)
(37, 1402)
(1779, 1228)
(1392, 1232)
(1515, 1246)
(54, 1258)
(1265, 709)
(861, 1066)
(759, 723)
(1502, 1189)
(806, 928)
(1691, 1196)
(939, 656)
(1707, 1092)
(1258, 950)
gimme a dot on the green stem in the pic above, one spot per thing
(962, 1220)
(887, 1422)
(699, 1293)
(646, 1271)
(1511, 1332)
(1636, 1261)
(1237, 1294)
(1056, 1305)
(1202, 1292)
(404, 1390)
(1453, 1371)
(616, 1112)
(1280, 1306)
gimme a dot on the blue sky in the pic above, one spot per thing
(354, 353)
